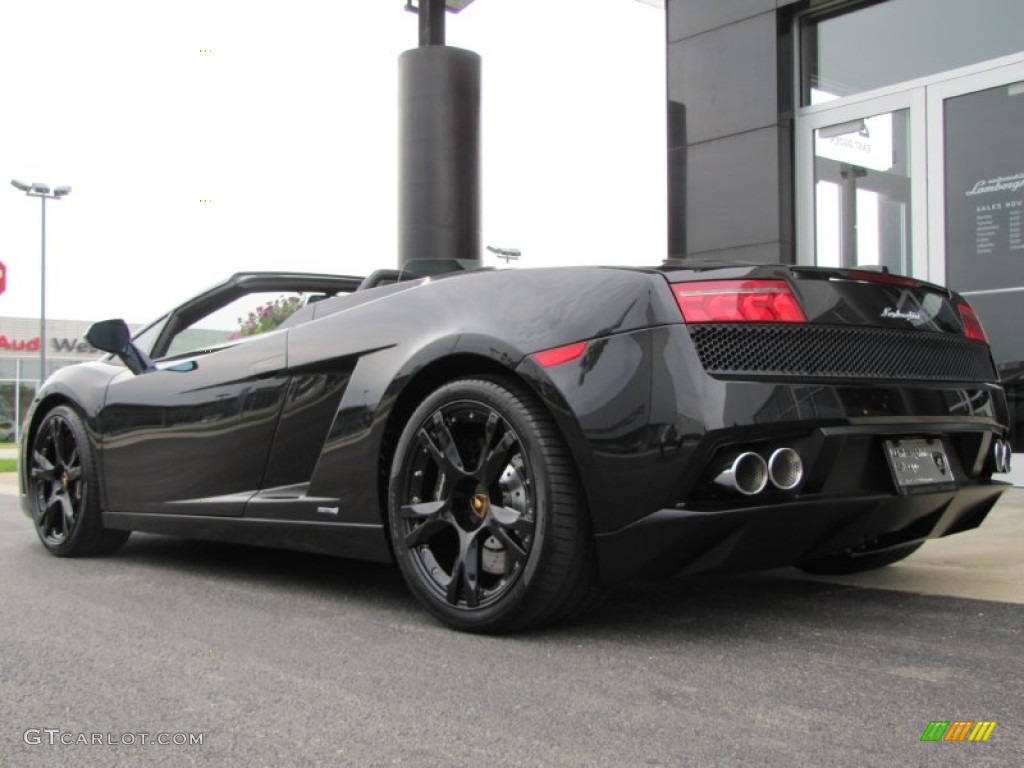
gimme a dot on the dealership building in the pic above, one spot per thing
(852, 133)
(20, 342)
(20, 358)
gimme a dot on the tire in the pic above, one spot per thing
(485, 511)
(848, 562)
(62, 485)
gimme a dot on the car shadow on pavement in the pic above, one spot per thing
(767, 607)
(289, 570)
(679, 610)
(698, 606)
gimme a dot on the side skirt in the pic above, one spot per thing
(353, 540)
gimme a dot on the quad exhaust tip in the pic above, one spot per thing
(1001, 452)
(747, 474)
(785, 469)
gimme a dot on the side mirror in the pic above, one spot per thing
(109, 336)
(115, 337)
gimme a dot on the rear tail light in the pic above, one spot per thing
(972, 325)
(738, 301)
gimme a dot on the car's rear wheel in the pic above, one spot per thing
(486, 515)
(851, 562)
(63, 487)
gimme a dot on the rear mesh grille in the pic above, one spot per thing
(833, 351)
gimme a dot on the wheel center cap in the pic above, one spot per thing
(64, 479)
(479, 503)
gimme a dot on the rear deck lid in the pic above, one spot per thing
(829, 323)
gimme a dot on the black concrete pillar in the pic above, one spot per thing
(676, 180)
(439, 155)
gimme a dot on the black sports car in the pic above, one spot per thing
(515, 438)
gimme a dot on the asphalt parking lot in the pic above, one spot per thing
(276, 658)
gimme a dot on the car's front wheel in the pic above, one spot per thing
(63, 488)
(486, 515)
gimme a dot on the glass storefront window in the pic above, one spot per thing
(984, 206)
(891, 42)
(984, 164)
(862, 193)
(983, 196)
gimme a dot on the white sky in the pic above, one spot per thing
(290, 127)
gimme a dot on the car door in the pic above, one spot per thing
(192, 436)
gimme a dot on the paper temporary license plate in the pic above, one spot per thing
(919, 463)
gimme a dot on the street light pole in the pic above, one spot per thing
(42, 299)
(42, 191)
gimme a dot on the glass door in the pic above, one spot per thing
(862, 192)
(865, 202)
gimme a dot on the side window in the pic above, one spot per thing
(246, 316)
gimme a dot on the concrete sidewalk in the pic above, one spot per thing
(984, 564)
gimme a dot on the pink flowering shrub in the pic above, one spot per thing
(269, 316)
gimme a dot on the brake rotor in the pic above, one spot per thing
(493, 558)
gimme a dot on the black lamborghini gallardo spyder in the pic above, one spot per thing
(515, 438)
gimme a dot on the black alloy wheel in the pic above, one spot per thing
(62, 486)
(485, 512)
